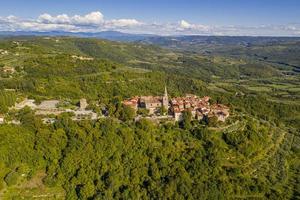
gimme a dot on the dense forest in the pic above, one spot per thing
(254, 154)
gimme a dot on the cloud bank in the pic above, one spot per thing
(95, 22)
(93, 18)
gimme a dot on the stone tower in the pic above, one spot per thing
(83, 104)
(165, 100)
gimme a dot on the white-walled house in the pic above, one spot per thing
(1, 119)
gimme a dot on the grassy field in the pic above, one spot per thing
(33, 188)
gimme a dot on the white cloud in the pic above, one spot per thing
(35, 26)
(59, 19)
(93, 18)
(184, 24)
(123, 22)
(95, 22)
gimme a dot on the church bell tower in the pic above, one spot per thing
(165, 100)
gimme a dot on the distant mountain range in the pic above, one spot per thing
(164, 41)
(109, 35)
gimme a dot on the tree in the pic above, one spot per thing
(86, 191)
(127, 113)
(11, 178)
(200, 132)
(163, 111)
(186, 120)
(145, 125)
(213, 121)
(143, 111)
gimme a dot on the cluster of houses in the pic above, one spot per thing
(157, 107)
(198, 107)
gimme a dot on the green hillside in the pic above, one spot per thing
(255, 154)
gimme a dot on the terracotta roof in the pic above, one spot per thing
(151, 99)
(131, 102)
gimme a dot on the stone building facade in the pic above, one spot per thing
(151, 103)
(198, 107)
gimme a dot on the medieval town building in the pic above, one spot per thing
(155, 103)
(198, 107)
(151, 103)
(191, 103)
(220, 111)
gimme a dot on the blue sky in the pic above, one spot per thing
(255, 17)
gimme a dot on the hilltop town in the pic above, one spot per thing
(175, 107)
(152, 107)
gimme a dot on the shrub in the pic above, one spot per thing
(11, 178)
